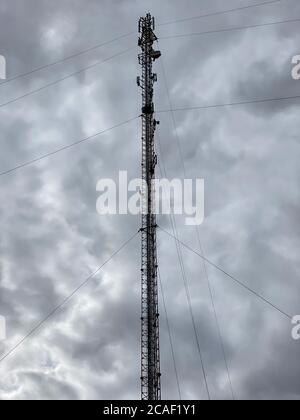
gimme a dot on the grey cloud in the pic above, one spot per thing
(52, 237)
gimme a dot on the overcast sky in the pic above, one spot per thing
(52, 237)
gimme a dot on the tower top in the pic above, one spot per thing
(149, 20)
(148, 37)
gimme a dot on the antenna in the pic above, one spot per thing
(150, 354)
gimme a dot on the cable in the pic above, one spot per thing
(127, 50)
(255, 101)
(221, 340)
(30, 162)
(67, 299)
(186, 286)
(65, 78)
(66, 58)
(240, 28)
(173, 116)
(95, 47)
(170, 335)
(198, 235)
(211, 292)
(184, 278)
(221, 12)
(230, 276)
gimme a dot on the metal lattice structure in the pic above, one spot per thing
(150, 354)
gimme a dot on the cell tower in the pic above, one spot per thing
(150, 355)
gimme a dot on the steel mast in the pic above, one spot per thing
(150, 354)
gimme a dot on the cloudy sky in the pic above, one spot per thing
(52, 238)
